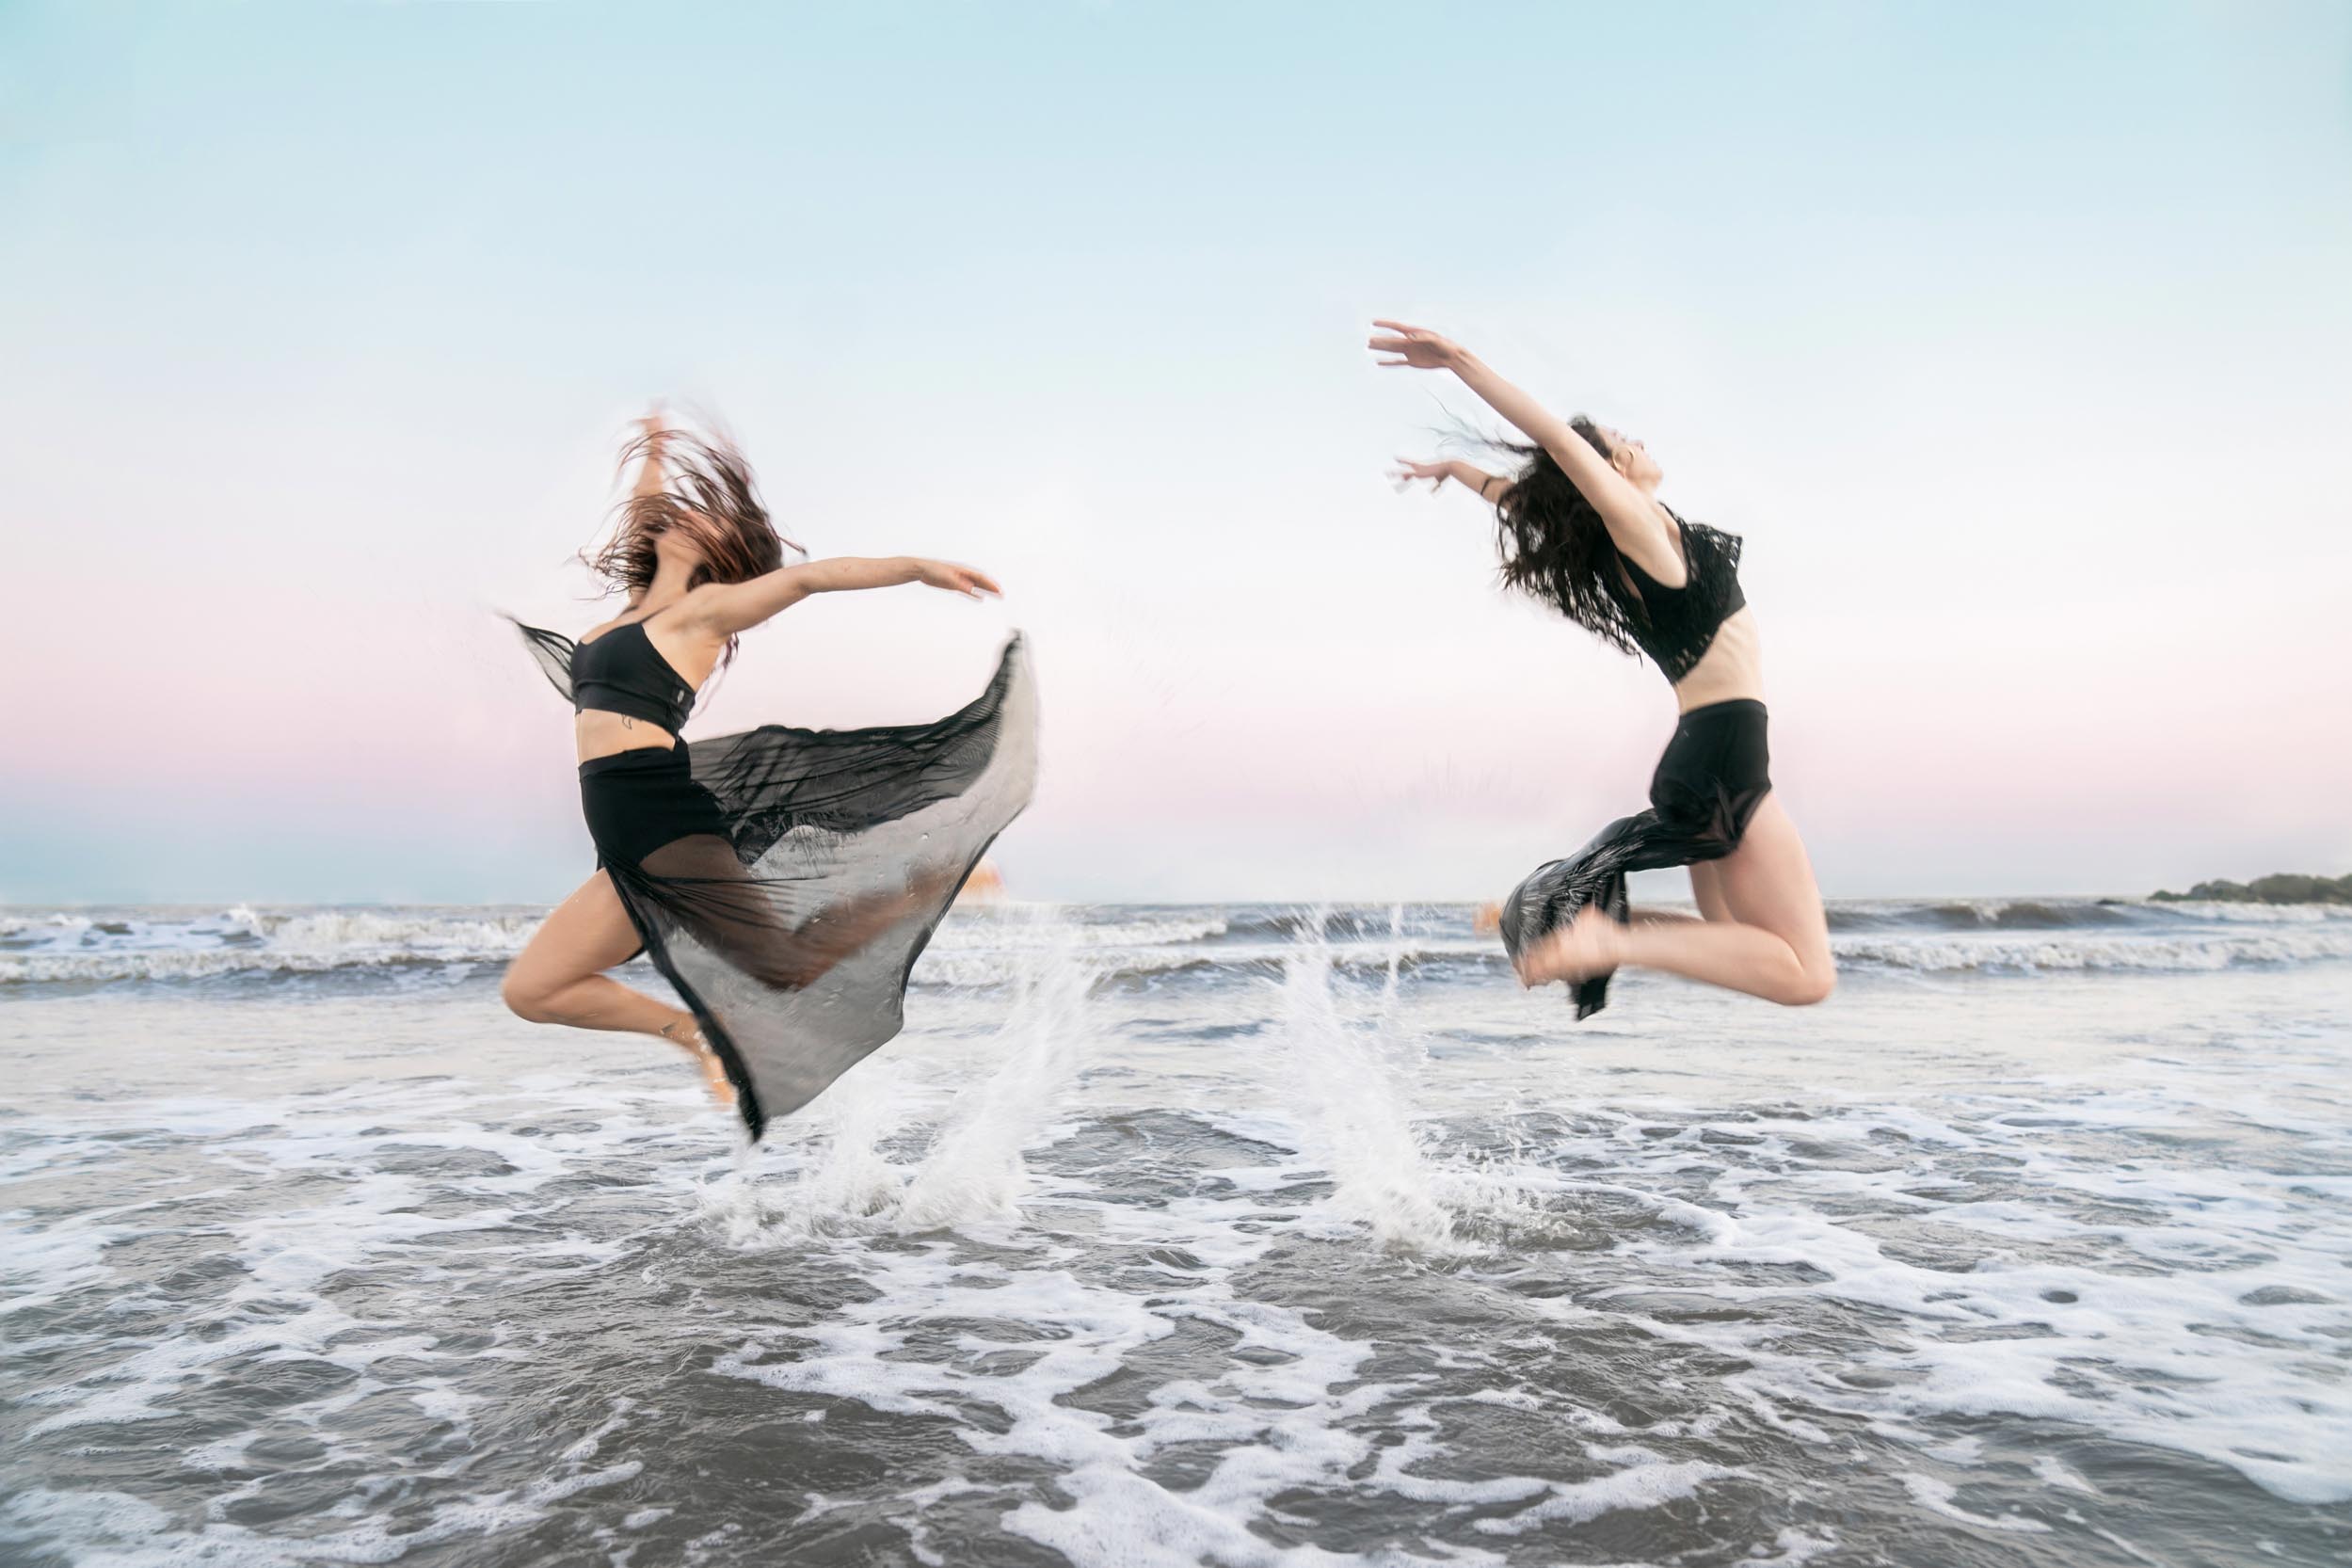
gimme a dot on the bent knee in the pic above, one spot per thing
(527, 1000)
(1812, 988)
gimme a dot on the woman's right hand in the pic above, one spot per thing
(1407, 471)
(1416, 347)
(956, 579)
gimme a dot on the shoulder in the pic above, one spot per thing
(1653, 545)
(710, 611)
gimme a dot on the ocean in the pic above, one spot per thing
(1237, 1236)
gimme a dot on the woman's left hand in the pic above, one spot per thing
(956, 579)
(1416, 347)
(1408, 470)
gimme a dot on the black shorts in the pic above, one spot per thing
(1715, 773)
(637, 801)
(1717, 767)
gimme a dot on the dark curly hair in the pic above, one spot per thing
(1554, 545)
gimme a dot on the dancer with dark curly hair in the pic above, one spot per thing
(1583, 528)
(783, 880)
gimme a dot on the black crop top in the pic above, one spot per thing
(1676, 626)
(621, 672)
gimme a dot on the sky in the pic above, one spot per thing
(2015, 339)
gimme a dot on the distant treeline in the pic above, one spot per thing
(2285, 888)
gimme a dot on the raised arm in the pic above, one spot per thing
(651, 473)
(1637, 524)
(728, 608)
(1487, 487)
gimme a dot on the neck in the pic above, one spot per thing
(671, 580)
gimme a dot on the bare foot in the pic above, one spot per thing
(1588, 945)
(686, 1033)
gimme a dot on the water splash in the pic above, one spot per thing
(972, 1168)
(975, 1170)
(1353, 1091)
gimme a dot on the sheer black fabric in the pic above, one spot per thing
(1675, 627)
(1714, 773)
(786, 880)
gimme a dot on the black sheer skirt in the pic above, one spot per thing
(786, 880)
(1713, 776)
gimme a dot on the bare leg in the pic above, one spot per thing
(1706, 890)
(558, 978)
(1774, 945)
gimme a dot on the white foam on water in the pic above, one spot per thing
(354, 1216)
(1791, 1547)
(977, 946)
(1937, 1496)
(956, 971)
(2279, 943)
(1282, 1423)
(2202, 1336)
(1647, 1481)
(140, 1541)
(1059, 928)
(42, 1263)
(2052, 1471)
(2254, 914)
(2140, 1247)
(1280, 1427)
(240, 941)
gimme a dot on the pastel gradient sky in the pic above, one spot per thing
(2016, 339)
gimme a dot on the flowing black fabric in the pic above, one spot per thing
(1714, 773)
(786, 880)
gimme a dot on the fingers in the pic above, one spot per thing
(1415, 347)
(963, 580)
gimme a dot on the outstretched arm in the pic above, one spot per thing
(1635, 522)
(653, 435)
(1488, 486)
(724, 608)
